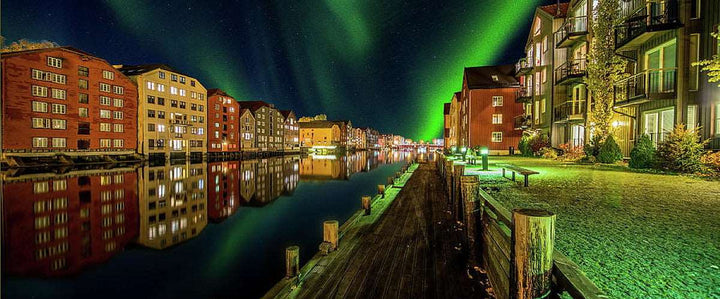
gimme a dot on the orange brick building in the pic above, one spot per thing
(489, 108)
(63, 100)
(223, 122)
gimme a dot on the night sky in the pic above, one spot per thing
(385, 64)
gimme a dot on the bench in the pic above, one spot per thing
(525, 172)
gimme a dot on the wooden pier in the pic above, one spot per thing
(408, 247)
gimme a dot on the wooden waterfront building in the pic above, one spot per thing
(63, 101)
(223, 124)
(291, 136)
(247, 132)
(269, 125)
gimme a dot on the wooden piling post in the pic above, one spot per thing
(458, 171)
(381, 190)
(472, 209)
(390, 181)
(330, 233)
(366, 200)
(533, 241)
(448, 177)
(292, 261)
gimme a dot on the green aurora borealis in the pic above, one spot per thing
(386, 64)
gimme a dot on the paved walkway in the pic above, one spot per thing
(411, 251)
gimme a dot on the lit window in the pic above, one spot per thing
(83, 112)
(59, 108)
(54, 62)
(105, 114)
(496, 136)
(118, 89)
(104, 142)
(118, 102)
(117, 114)
(118, 142)
(40, 142)
(497, 101)
(105, 87)
(59, 124)
(39, 106)
(105, 101)
(39, 91)
(118, 128)
(173, 90)
(59, 142)
(497, 119)
(40, 123)
(161, 75)
(150, 85)
(108, 75)
(104, 127)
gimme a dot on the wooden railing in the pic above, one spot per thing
(510, 255)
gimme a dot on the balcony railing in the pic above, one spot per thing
(647, 85)
(179, 122)
(642, 20)
(576, 68)
(570, 111)
(572, 28)
(522, 122)
(523, 65)
(523, 94)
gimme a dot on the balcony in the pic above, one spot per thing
(179, 122)
(571, 71)
(523, 94)
(643, 20)
(522, 122)
(570, 111)
(575, 28)
(523, 66)
(648, 85)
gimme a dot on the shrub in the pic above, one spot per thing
(571, 153)
(538, 142)
(524, 146)
(609, 151)
(712, 162)
(643, 154)
(592, 149)
(681, 150)
(548, 153)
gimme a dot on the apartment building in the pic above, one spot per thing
(171, 112)
(291, 139)
(661, 40)
(223, 123)
(247, 131)
(269, 125)
(320, 134)
(65, 101)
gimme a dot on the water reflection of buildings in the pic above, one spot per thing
(57, 225)
(223, 189)
(172, 204)
(331, 167)
(273, 177)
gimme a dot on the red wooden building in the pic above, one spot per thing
(63, 100)
(223, 123)
(489, 108)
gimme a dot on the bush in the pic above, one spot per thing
(524, 146)
(609, 151)
(643, 154)
(548, 153)
(681, 151)
(538, 142)
(571, 153)
(592, 149)
(712, 162)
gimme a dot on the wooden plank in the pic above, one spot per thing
(498, 280)
(572, 280)
(499, 236)
(502, 213)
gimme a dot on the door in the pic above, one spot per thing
(651, 125)
(578, 135)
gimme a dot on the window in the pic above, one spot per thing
(695, 9)
(117, 114)
(497, 101)
(83, 98)
(182, 79)
(118, 142)
(83, 129)
(104, 127)
(694, 56)
(717, 120)
(173, 103)
(82, 84)
(39, 106)
(161, 114)
(105, 87)
(40, 123)
(161, 128)
(182, 105)
(193, 107)
(40, 142)
(183, 92)
(173, 77)
(150, 85)
(83, 71)
(108, 75)
(161, 75)
(39, 75)
(496, 136)
(59, 94)
(118, 89)
(104, 142)
(83, 112)
(161, 101)
(161, 87)
(39, 91)
(173, 90)
(192, 83)
(54, 62)
(105, 101)
(59, 142)
(118, 102)
(151, 99)
(104, 113)
(59, 108)
(691, 117)
(545, 44)
(59, 124)
(497, 119)
(542, 106)
(151, 113)
(151, 128)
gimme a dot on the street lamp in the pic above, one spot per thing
(484, 151)
(463, 150)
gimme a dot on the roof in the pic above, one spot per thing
(253, 105)
(318, 124)
(483, 77)
(217, 91)
(554, 11)
(286, 113)
(446, 108)
(134, 70)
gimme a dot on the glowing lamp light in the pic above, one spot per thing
(463, 149)
(484, 151)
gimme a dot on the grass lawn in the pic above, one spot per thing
(636, 235)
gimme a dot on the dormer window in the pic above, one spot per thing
(495, 78)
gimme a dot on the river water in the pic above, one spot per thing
(181, 230)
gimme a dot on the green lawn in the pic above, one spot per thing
(636, 235)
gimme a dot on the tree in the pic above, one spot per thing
(712, 66)
(604, 68)
(25, 44)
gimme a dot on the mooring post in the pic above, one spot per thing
(448, 177)
(330, 233)
(533, 241)
(381, 190)
(390, 181)
(366, 204)
(458, 171)
(472, 208)
(292, 261)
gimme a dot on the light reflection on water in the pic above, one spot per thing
(69, 234)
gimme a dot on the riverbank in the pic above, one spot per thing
(407, 247)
